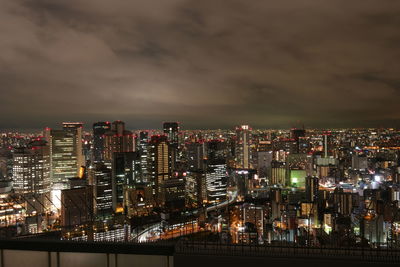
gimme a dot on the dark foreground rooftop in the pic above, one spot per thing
(62, 253)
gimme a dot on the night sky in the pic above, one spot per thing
(205, 63)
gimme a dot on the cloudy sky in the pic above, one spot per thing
(207, 64)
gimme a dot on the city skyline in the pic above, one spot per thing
(202, 133)
(269, 64)
(88, 127)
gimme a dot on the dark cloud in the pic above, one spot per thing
(204, 63)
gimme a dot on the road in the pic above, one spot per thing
(231, 199)
(146, 234)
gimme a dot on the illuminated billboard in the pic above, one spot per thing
(297, 178)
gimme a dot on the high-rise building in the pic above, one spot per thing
(77, 205)
(76, 128)
(174, 191)
(243, 155)
(253, 215)
(160, 165)
(312, 187)
(296, 134)
(216, 170)
(171, 130)
(216, 150)
(66, 156)
(139, 199)
(87, 144)
(196, 188)
(31, 168)
(216, 180)
(300, 162)
(359, 162)
(31, 175)
(126, 171)
(264, 159)
(143, 145)
(10, 213)
(343, 201)
(264, 146)
(101, 179)
(327, 144)
(99, 131)
(196, 156)
(278, 173)
(118, 140)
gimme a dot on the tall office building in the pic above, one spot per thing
(174, 191)
(10, 213)
(296, 134)
(160, 166)
(312, 187)
(76, 128)
(278, 173)
(31, 175)
(143, 149)
(252, 218)
(66, 155)
(101, 179)
(139, 200)
(196, 155)
(327, 144)
(171, 130)
(99, 131)
(31, 168)
(196, 188)
(77, 205)
(216, 150)
(216, 171)
(264, 159)
(359, 162)
(243, 155)
(216, 180)
(87, 144)
(126, 171)
(118, 140)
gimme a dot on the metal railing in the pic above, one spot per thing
(279, 251)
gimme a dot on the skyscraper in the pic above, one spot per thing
(31, 175)
(278, 173)
(196, 188)
(216, 180)
(242, 147)
(126, 171)
(171, 130)
(312, 187)
(327, 144)
(76, 128)
(99, 131)
(143, 144)
(216, 171)
(174, 191)
(264, 160)
(196, 155)
(77, 205)
(101, 179)
(66, 156)
(296, 134)
(161, 165)
(118, 140)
